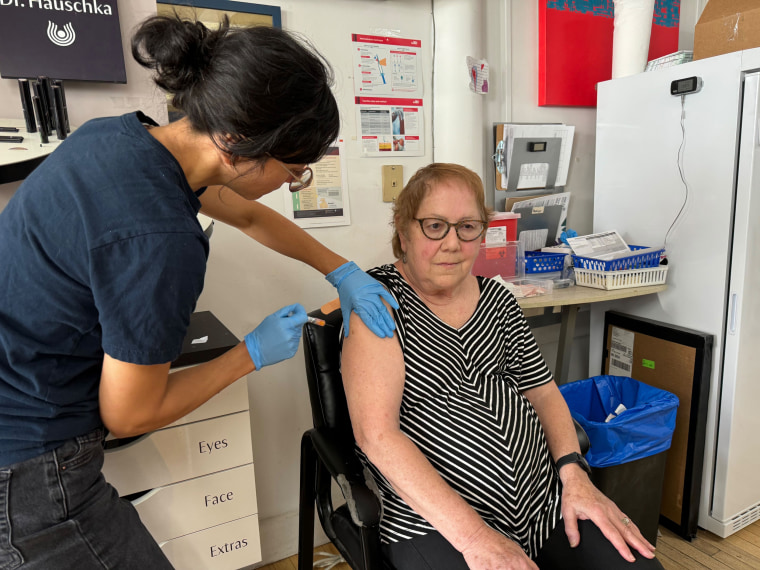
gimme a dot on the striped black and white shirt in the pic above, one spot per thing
(463, 407)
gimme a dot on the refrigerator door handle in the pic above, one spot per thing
(732, 313)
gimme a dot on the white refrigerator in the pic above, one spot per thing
(652, 149)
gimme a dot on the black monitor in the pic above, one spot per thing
(62, 39)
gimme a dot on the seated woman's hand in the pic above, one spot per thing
(491, 550)
(582, 500)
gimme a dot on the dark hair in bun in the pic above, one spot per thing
(267, 88)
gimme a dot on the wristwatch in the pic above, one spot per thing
(574, 457)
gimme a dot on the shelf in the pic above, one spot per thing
(17, 164)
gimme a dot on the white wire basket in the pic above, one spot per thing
(621, 279)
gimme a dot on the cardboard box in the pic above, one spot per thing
(726, 26)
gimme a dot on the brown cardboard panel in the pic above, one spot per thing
(498, 134)
(726, 26)
(678, 360)
(673, 371)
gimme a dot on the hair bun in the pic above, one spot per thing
(178, 50)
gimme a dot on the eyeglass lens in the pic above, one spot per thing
(302, 181)
(299, 181)
(467, 230)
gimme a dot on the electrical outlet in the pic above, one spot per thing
(393, 181)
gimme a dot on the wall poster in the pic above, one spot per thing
(325, 202)
(388, 95)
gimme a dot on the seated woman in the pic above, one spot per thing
(457, 416)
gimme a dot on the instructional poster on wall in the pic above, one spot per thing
(386, 66)
(325, 202)
(390, 126)
(388, 95)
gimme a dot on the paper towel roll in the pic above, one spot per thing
(630, 40)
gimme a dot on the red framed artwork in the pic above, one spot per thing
(575, 46)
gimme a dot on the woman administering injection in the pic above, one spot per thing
(104, 260)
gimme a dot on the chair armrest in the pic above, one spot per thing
(583, 440)
(358, 487)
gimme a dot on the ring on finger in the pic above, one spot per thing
(626, 521)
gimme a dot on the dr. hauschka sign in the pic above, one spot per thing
(61, 39)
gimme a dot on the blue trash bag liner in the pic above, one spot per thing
(644, 429)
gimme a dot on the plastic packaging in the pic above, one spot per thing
(522, 288)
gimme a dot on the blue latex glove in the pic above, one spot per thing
(362, 294)
(567, 234)
(277, 337)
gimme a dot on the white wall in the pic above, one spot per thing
(246, 282)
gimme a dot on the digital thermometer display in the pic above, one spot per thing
(685, 86)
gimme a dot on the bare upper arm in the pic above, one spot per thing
(131, 395)
(373, 377)
(540, 394)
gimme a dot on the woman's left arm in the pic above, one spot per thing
(357, 291)
(580, 498)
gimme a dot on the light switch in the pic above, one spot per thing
(393, 181)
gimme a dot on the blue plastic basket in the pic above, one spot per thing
(640, 261)
(543, 262)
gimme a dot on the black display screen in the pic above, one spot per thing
(61, 39)
(685, 85)
(682, 86)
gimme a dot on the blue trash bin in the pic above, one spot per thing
(628, 453)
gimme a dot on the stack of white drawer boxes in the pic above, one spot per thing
(193, 484)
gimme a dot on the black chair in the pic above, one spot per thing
(327, 454)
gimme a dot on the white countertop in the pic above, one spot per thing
(29, 149)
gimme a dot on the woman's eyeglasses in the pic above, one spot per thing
(437, 229)
(298, 182)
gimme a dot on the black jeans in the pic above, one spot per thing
(57, 511)
(595, 552)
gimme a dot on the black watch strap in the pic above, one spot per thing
(574, 457)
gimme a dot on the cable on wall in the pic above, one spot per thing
(679, 162)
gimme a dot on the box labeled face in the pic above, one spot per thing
(189, 506)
